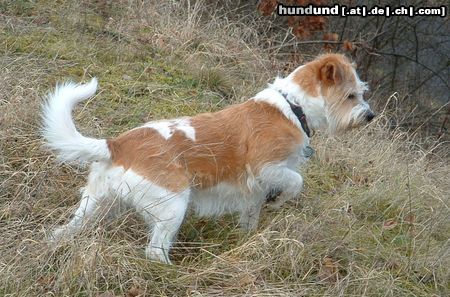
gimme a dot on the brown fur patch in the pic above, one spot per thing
(228, 144)
(327, 71)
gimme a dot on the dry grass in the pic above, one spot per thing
(373, 220)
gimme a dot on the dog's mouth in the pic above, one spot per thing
(356, 122)
(361, 120)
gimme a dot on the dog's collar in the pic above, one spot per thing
(298, 111)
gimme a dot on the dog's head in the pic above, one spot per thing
(333, 91)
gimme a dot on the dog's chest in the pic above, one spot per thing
(300, 155)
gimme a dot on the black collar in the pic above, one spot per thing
(298, 111)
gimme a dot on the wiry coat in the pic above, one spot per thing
(226, 161)
(227, 146)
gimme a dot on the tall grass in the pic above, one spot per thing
(373, 220)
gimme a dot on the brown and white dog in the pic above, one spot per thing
(223, 162)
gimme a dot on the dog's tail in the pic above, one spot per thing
(59, 130)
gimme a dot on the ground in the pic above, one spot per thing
(374, 218)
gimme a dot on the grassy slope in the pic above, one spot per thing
(373, 219)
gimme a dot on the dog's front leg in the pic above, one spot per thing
(249, 215)
(285, 184)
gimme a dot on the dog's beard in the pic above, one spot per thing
(358, 114)
(340, 119)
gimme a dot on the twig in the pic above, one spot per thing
(432, 115)
(425, 80)
(444, 122)
(305, 42)
(410, 223)
(410, 59)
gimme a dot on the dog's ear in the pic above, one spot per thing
(330, 73)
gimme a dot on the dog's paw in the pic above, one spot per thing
(275, 204)
(58, 234)
(275, 199)
(278, 201)
(273, 195)
(157, 254)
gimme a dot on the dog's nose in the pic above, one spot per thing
(370, 115)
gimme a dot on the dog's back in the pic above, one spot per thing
(207, 149)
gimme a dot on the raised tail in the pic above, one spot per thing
(59, 130)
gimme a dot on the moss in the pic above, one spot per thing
(17, 7)
(134, 87)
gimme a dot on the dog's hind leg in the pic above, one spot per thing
(86, 208)
(165, 217)
(94, 192)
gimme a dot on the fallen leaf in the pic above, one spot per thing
(246, 279)
(329, 36)
(329, 271)
(134, 292)
(292, 20)
(46, 280)
(266, 7)
(300, 32)
(389, 224)
(410, 218)
(348, 46)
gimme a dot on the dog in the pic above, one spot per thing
(232, 161)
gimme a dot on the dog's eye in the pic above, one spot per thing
(351, 96)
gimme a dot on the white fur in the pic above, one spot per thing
(313, 107)
(226, 198)
(361, 85)
(167, 128)
(282, 176)
(59, 130)
(358, 111)
(163, 210)
(275, 98)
